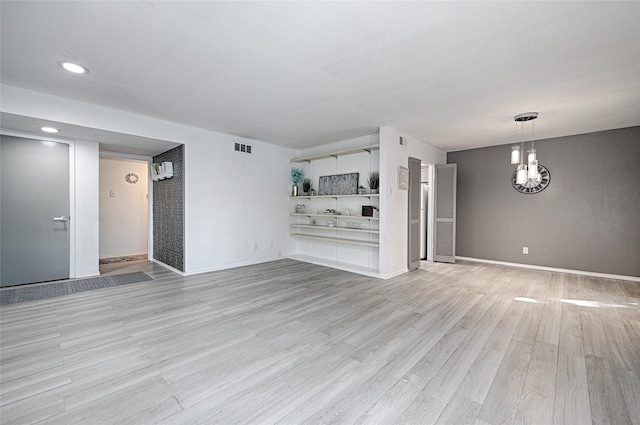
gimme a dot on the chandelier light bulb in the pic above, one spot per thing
(521, 175)
(515, 154)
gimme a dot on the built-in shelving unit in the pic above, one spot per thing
(362, 195)
(344, 240)
(334, 239)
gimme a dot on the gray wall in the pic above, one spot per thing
(588, 218)
(168, 212)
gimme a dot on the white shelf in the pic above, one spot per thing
(365, 195)
(340, 240)
(366, 271)
(336, 153)
(344, 229)
(335, 215)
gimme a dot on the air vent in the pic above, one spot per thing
(241, 147)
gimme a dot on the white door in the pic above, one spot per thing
(445, 213)
(34, 211)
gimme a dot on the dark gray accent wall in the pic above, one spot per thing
(588, 218)
(168, 212)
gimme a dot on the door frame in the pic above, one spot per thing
(149, 161)
(430, 211)
(72, 192)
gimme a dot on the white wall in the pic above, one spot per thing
(394, 202)
(123, 217)
(86, 217)
(233, 201)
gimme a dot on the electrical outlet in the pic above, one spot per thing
(525, 249)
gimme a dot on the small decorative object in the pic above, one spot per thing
(306, 186)
(339, 184)
(354, 225)
(296, 177)
(403, 178)
(361, 190)
(161, 171)
(300, 208)
(331, 223)
(532, 186)
(368, 210)
(347, 212)
(132, 178)
(331, 211)
(374, 181)
(313, 222)
(312, 192)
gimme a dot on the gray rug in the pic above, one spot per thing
(57, 289)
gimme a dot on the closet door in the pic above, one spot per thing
(413, 261)
(445, 216)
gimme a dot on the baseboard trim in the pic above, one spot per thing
(231, 266)
(166, 266)
(365, 271)
(552, 269)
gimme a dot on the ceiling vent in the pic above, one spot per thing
(241, 147)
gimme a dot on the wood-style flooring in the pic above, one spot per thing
(293, 343)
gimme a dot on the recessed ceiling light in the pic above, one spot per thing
(49, 129)
(73, 67)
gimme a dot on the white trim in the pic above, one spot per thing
(149, 161)
(166, 266)
(231, 266)
(392, 275)
(365, 271)
(82, 276)
(553, 269)
(110, 154)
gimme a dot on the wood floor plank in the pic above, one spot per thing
(294, 343)
(460, 411)
(538, 394)
(606, 398)
(571, 400)
(501, 403)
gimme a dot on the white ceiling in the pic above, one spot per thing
(301, 74)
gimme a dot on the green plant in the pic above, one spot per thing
(374, 180)
(306, 185)
(296, 174)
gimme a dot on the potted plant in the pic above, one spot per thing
(296, 177)
(306, 186)
(374, 181)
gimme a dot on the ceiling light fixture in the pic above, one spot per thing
(530, 177)
(49, 129)
(73, 67)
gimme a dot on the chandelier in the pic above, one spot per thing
(526, 174)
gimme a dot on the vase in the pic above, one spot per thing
(294, 190)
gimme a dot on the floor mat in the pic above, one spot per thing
(57, 289)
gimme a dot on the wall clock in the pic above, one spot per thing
(532, 186)
(132, 178)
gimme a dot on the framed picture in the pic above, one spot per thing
(403, 178)
(339, 184)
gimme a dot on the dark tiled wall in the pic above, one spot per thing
(168, 212)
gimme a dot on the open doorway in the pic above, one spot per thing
(426, 212)
(124, 213)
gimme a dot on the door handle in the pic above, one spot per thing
(62, 218)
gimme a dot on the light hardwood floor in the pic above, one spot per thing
(293, 343)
